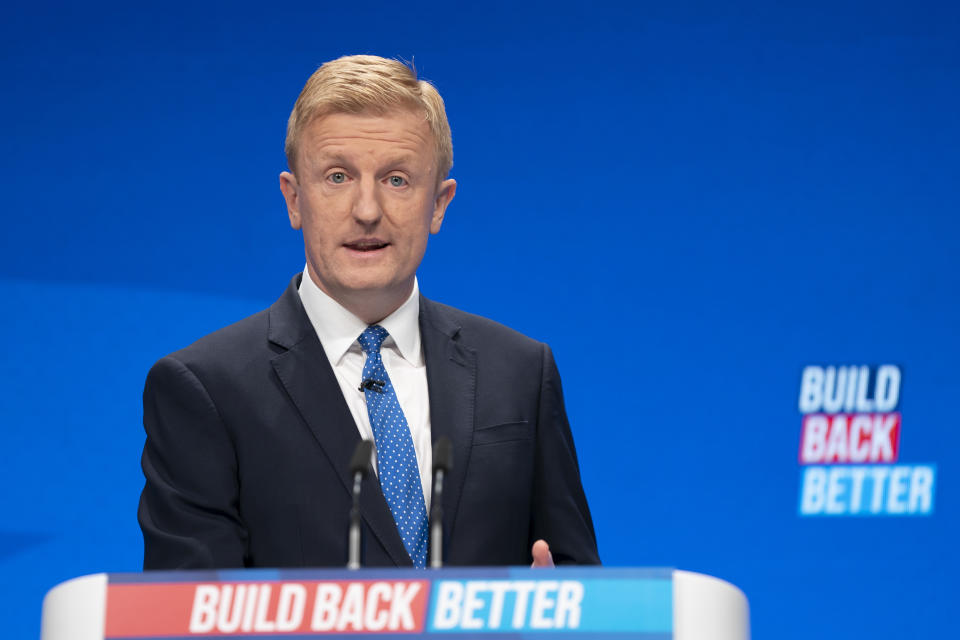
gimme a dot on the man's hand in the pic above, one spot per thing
(542, 558)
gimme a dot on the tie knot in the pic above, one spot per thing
(371, 338)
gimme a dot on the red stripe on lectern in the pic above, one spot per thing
(145, 610)
(152, 610)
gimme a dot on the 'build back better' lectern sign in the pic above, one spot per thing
(575, 602)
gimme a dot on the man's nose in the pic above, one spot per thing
(366, 207)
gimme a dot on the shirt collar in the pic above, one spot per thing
(338, 329)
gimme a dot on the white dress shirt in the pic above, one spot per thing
(402, 355)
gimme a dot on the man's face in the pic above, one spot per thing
(367, 196)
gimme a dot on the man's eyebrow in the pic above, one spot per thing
(401, 158)
(332, 159)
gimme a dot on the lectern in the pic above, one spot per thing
(461, 603)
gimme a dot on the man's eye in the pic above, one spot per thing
(397, 181)
(338, 177)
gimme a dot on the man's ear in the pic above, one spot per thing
(291, 193)
(448, 188)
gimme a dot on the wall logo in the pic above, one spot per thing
(850, 446)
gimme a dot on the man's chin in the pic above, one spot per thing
(374, 288)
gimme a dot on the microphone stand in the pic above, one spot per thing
(359, 467)
(442, 463)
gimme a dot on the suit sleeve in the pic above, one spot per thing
(189, 510)
(560, 512)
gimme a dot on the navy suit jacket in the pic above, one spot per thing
(249, 440)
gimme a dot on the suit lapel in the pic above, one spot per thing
(305, 373)
(451, 380)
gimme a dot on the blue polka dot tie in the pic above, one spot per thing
(396, 458)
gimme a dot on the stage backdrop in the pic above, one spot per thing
(762, 199)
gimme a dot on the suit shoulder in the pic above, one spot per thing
(480, 330)
(230, 346)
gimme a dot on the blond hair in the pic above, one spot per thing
(358, 84)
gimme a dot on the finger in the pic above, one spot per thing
(542, 558)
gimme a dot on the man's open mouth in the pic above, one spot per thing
(366, 245)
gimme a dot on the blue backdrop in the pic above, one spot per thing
(746, 188)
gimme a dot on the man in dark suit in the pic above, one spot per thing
(250, 430)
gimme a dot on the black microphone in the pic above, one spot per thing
(371, 384)
(359, 468)
(442, 463)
